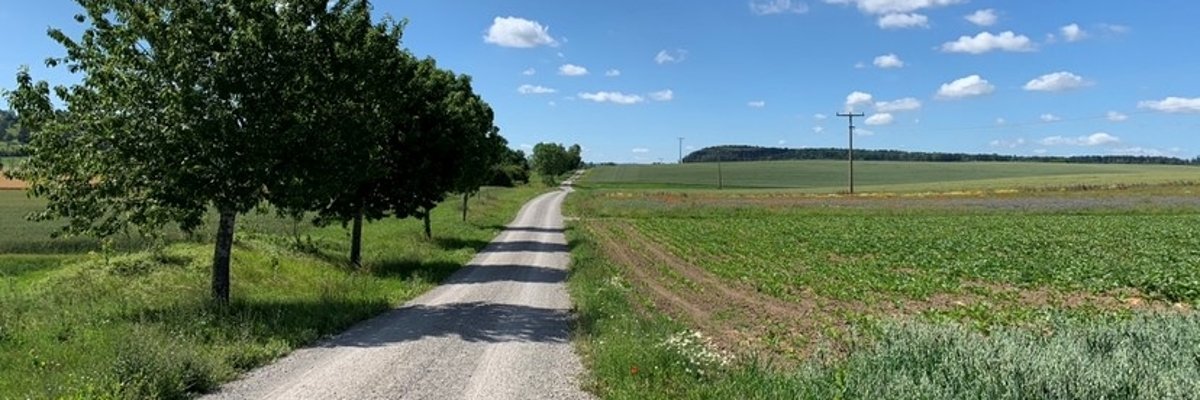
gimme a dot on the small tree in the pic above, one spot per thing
(182, 106)
(552, 160)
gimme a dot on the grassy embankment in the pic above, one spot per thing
(129, 319)
(989, 294)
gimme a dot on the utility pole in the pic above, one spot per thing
(850, 153)
(681, 149)
(720, 180)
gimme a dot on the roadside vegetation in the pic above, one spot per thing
(1046, 291)
(133, 319)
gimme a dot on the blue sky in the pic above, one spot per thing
(1059, 77)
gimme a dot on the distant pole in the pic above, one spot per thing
(850, 152)
(720, 181)
(681, 149)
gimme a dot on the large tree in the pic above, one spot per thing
(551, 160)
(182, 106)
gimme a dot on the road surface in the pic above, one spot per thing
(497, 329)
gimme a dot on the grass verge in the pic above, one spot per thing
(140, 324)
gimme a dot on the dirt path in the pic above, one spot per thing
(497, 329)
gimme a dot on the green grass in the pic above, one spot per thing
(831, 176)
(862, 259)
(92, 323)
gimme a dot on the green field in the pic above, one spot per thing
(133, 319)
(779, 294)
(831, 176)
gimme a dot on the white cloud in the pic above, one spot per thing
(782, 142)
(662, 95)
(1172, 105)
(552, 103)
(864, 132)
(860, 65)
(1114, 29)
(1073, 33)
(519, 33)
(818, 129)
(903, 21)
(757, 104)
(1011, 144)
(534, 89)
(529, 72)
(820, 117)
(667, 57)
(986, 42)
(640, 150)
(1001, 121)
(889, 61)
(768, 7)
(986, 17)
(612, 72)
(526, 146)
(1050, 118)
(894, 6)
(905, 104)
(612, 97)
(857, 99)
(969, 86)
(572, 70)
(1057, 82)
(1116, 116)
(1095, 139)
(880, 119)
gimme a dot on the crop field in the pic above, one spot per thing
(831, 176)
(972, 294)
(132, 318)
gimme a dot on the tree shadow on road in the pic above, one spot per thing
(472, 322)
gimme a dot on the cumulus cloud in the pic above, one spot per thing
(1011, 144)
(820, 117)
(1175, 105)
(612, 72)
(757, 104)
(670, 57)
(1073, 33)
(519, 33)
(903, 21)
(1095, 139)
(986, 42)
(818, 129)
(612, 97)
(769, 7)
(985, 17)
(889, 61)
(1050, 118)
(529, 72)
(894, 6)
(880, 119)
(662, 95)
(534, 89)
(858, 98)
(905, 104)
(1116, 116)
(572, 70)
(1056, 82)
(969, 86)
(640, 150)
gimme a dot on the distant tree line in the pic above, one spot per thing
(310, 106)
(754, 153)
(552, 160)
(13, 135)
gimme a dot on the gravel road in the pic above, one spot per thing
(497, 329)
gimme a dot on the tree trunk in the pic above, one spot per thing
(428, 228)
(465, 196)
(356, 241)
(221, 256)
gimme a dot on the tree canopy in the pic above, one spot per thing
(551, 160)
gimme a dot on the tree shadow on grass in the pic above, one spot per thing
(432, 271)
(457, 243)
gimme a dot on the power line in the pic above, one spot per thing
(850, 153)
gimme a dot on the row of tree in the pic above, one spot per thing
(754, 153)
(311, 106)
(552, 160)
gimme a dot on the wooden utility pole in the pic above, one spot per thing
(720, 181)
(681, 149)
(850, 153)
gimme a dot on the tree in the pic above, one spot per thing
(551, 160)
(512, 168)
(182, 106)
